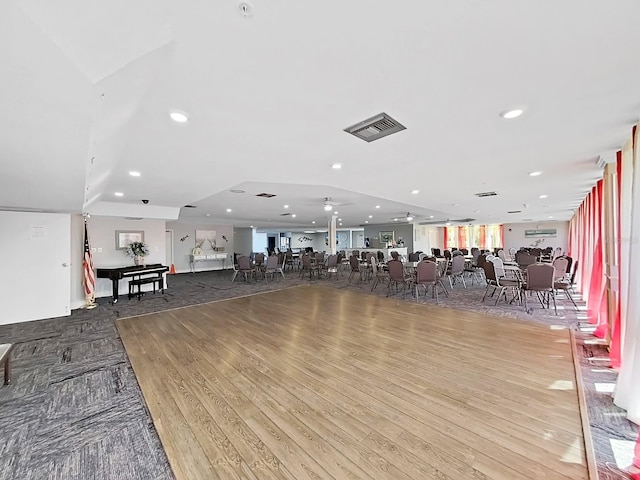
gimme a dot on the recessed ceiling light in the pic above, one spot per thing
(339, 219)
(250, 226)
(285, 206)
(366, 221)
(207, 214)
(340, 223)
(550, 216)
(179, 117)
(370, 216)
(228, 210)
(415, 191)
(430, 216)
(336, 166)
(409, 218)
(542, 196)
(395, 219)
(377, 206)
(313, 222)
(328, 208)
(448, 223)
(455, 205)
(134, 174)
(119, 194)
(335, 213)
(509, 114)
(534, 174)
(237, 190)
(293, 215)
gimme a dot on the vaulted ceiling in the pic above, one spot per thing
(87, 88)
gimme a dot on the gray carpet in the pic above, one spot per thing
(75, 411)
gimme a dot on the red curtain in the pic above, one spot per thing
(462, 237)
(446, 238)
(483, 237)
(587, 248)
(502, 236)
(614, 347)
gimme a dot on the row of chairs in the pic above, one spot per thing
(543, 278)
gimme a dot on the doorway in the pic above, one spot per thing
(271, 243)
(168, 245)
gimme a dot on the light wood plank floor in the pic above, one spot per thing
(315, 383)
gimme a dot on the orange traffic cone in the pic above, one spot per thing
(172, 270)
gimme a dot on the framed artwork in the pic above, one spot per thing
(386, 237)
(550, 232)
(125, 237)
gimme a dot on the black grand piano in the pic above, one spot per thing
(118, 273)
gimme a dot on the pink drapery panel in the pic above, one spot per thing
(587, 248)
(597, 307)
(501, 227)
(462, 237)
(483, 236)
(616, 325)
(446, 238)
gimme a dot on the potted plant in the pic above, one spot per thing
(137, 250)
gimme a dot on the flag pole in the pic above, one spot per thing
(89, 278)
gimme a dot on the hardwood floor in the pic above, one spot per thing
(318, 383)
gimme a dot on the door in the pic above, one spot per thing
(271, 243)
(36, 257)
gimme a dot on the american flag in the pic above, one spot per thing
(89, 277)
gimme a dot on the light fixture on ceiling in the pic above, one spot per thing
(207, 214)
(285, 206)
(335, 213)
(366, 221)
(134, 174)
(370, 216)
(228, 210)
(340, 223)
(448, 223)
(179, 117)
(245, 9)
(328, 206)
(430, 216)
(511, 114)
(377, 206)
(415, 191)
(543, 196)
(293, 215)
(236, 190)
(336, 166)
(339, 219)
(119, 194)
(550, 216)
(535, 174)
(313, 221)
(409, 217)
(395, 219)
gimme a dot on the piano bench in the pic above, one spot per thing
(138, 282)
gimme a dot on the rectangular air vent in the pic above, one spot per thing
(266, 195)
(285, 214)
(190, 206)
(375, 127)
(486, 194)
(133, 218)
(515, 211)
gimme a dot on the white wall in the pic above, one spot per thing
(243, 241)
(182, 249)
(102, 232)
(427, 237)
(259, 242)
(514, 235)
(299, 240)
(78, 299)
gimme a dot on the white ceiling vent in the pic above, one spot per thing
(486, 194)
(375, 127)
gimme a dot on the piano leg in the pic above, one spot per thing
(114, 290)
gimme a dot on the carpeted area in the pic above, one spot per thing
(75, 411)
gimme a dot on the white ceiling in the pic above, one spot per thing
(87, 87)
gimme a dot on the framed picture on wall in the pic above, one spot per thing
(125, 237)
(386, 237)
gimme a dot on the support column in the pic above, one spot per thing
(331, 239)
